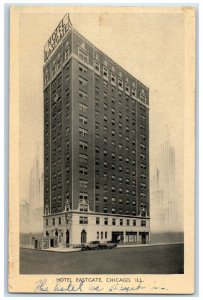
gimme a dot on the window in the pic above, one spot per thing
(82, 132)
(143, 185)
(82, 81)
(143, 176)
(83, 207)
(105, 221)
(143, 147)
(120, 83)
(97, 149)
(128, 222)
(82, 68)
(143, 117)
(113, 200)
(97, 220)
(105, 118)
(53, 221)
(113, 79)
(83, 183)
(82, 107)
(105, 95)
(143, 136)
(143, 166)
(105, 140)
(127, 88)
(102, 235)
(133, 93)
(113, 210)
(143, 223)
(83, 158)
(105, 152)
(97, 136)
(106, 235)
(97, 67)
(83, 220)
(105, 72)
(97, 235)
(83, 95)
(105, 176)
(113, 189)
(47, 222)
(83, 196)
(113, 167)
(120, 190)
(83, 170)
(127, 202)
(83, 145)
(105, 198)
(121, 222)
(120, 201)
(113, 222)
(83, 55)
(120, 169)
(97, 126)
(82, 119)
(105, 164)
(142, 97)
(105, 210)
(105, 85)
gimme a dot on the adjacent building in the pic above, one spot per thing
(164, 212)
(96, 145)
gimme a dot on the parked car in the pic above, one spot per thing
(109, 245)
(94, 245)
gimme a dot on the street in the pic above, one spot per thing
(164, 259)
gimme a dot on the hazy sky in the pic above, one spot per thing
(150, 46)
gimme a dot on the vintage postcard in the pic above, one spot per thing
(101, 162)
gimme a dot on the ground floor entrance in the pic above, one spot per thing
(144, 237)
(117, 237)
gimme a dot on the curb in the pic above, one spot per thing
(118, 247)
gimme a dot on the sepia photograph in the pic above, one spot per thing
(102, 144)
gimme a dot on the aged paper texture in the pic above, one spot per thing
(101, 158)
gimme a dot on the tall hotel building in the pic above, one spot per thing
(96, 145)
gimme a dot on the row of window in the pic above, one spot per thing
(84, 220)
(114, 221)
(120, 200)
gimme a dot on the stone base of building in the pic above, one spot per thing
(73, 228)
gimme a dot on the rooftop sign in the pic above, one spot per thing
(57, 36)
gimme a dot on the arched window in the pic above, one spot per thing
(83, 237)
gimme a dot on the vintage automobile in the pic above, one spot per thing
(109, 245)
(93, 245)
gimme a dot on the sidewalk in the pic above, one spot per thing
(63, 249)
